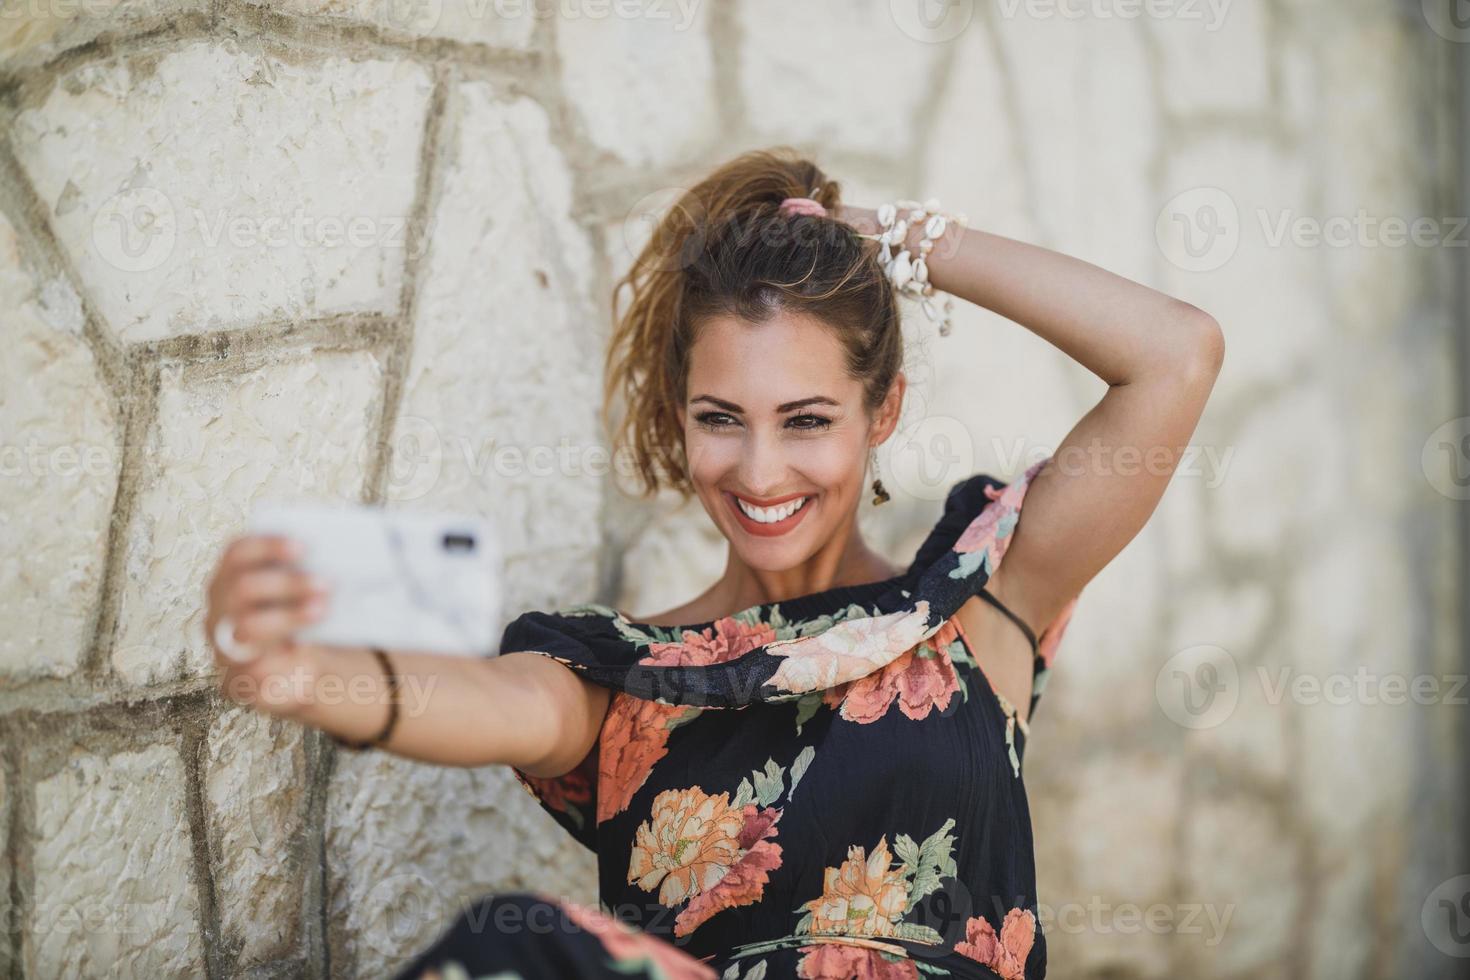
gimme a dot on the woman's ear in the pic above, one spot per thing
(890, 410)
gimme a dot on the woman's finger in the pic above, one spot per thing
(274, 584)
(276, 622)
(251, 551)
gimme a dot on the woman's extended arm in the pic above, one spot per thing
(520, 709)
(1159, 356)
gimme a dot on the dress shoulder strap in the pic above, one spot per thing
(990, 598)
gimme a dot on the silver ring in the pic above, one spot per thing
(224, 639)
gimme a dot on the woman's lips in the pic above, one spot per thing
(768, 530)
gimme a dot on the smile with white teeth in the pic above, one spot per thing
(770, 515)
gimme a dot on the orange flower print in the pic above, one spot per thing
(862, 897)
(1005, 954)
(835, 961)
(698, 848)
(726, 639)
(923, 678)
(635, 733)
(632, 948)
(1051, 637)
(848, 650)
(560, 792)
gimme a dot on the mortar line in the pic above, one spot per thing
(219, 950)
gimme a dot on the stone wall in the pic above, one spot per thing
(363, 250)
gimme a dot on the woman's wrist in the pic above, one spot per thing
(351, 695)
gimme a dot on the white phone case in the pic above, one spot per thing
(403, 580)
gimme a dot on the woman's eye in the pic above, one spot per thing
(712, 420)
(810, 422)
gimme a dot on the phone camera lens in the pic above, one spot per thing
(459, 542)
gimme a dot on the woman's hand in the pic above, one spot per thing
(267, 597)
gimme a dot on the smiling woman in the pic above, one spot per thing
(814, 767)
(760, 361)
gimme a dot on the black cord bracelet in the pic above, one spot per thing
(392, 680)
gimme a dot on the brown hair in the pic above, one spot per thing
(725, 248)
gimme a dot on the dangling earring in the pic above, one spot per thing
(879, 493)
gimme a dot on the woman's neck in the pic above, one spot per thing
(741, 586)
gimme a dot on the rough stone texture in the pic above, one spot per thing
(254, 787)
(290, 430)
(666, 107)
(1216, 57)
(495, 23)
(499, 406)
(59, 459)
(409, 845)
(1237, 862)
(679, 546)
(1118, 803)
(114, 889)
(225, 230)
(31, 33)
(861, 79)
(5, 870)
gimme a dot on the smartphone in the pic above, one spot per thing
(406, 580)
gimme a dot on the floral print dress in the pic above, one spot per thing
(825, 787)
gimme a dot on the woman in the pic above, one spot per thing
(813, 768)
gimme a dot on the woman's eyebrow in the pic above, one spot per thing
(787, 407)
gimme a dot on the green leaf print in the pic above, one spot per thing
(456, 971)
(798, 768)
(770, 784)
(970, 562)
(756, 972)
(927, 864)
(807, 707)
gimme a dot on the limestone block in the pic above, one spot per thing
(115, 893)
(254, 787)
(663, 108)
(499, 410)
(293, 429)
(181, 218)
(59, 460)
(32, 33)
(409, 846)
(867, 76)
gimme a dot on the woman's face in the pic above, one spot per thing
(777, 436)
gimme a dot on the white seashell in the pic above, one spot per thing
(921, 270)
(932, 204)
(903, 269)
(900, 232)
(928, 309)
(934, 227)
(886, 214)
(906, 203)
(886, 238)
(885, 254)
